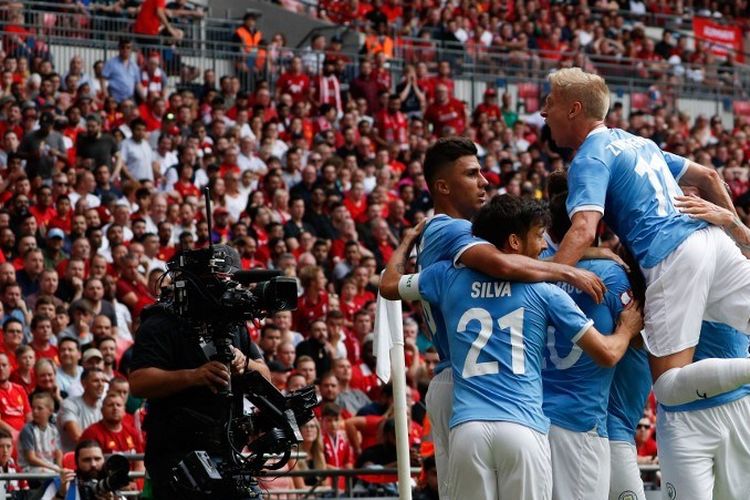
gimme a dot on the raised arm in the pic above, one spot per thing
(709, 184)
(579, 237)
(396, 264)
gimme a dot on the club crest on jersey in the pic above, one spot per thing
(627, 495)
(490, 289)
(671, 492)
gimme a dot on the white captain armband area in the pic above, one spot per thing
(408, 287)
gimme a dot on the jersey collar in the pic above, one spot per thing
(598, 130)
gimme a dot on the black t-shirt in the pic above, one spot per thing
(101, 149)
(179, 423)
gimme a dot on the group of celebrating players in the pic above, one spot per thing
(549, 348)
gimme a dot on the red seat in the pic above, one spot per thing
(639, 101)
(741, 108)
(526, 90)
(531, 105)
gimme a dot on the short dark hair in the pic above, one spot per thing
(443, 153)
(504, 215)
(331, 410)
(559, 215)
(82, 445)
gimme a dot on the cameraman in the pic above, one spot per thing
(172, 370)
(89, 464)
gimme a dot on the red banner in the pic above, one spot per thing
(722, 38)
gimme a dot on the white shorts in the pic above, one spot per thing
(580, 469)
(439, 403)
(705, 278)
(705, 454)
(625, 481)
(499, 460)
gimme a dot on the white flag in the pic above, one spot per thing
(389, 330)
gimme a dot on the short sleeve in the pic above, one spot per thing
(618, 293)
(450, 238)
(588, 179)
(677, 164)
(566, 316)
(153, 347)
(26, 437)
(68, 412)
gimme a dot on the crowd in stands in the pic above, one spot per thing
(101, 171)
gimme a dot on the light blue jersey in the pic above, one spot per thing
(443, 238)
(633, 183)
(630, 388)
(498, 345)
(718, 341)
(576, 389)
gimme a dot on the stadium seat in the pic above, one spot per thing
(741, 108)
(527, 90)
(639, 101)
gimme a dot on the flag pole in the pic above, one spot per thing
(389, 350)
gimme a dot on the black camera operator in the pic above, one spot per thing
(174, 371)
(89, 466)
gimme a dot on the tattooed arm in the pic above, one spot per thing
(397, 264)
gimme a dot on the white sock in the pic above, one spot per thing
(700, 380)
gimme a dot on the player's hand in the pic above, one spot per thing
(631, 318)
(239, 362)
(587, 282)
(411, 234)
(213, 375)
(603, 253)
(704, 210)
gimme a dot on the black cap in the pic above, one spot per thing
(277, 367)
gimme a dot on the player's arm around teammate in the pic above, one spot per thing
(719, 216)
(604, 350)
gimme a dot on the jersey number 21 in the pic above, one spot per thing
(513, 322)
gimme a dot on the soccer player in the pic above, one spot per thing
(572, 380)
(693, 271)
(704, 446)
(498, 429)
(457, 186)
(628, 393)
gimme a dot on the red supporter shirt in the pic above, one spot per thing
(364, 297)
(125, 441)
(43, 217)
(363, 378)
(307, 312)
(147, 22)
(357, 209)
(339, 453)
(50, 353)
(29, 387)
(187, 189)
(392, 127)
(449, 114)
(493, 112)
(298, 86)
(14, 405)
(144, 296)
(349, 308)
